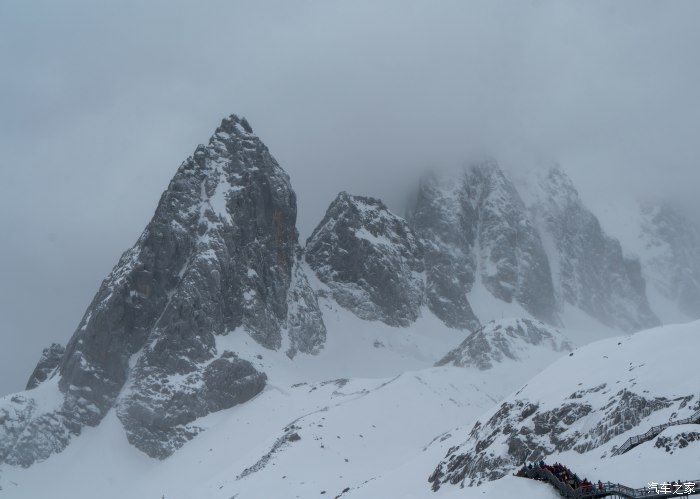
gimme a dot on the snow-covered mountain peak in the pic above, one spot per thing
(219, 254)
(371, 213)
(558, 185)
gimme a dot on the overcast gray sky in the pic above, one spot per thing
(101, 101)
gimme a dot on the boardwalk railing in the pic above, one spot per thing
(652, 432)
(607, 488)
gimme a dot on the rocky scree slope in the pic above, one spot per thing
(220, 253)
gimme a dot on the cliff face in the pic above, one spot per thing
(219, 254)
(591, 272)
(443, 220)
(475, 225)
(514, 265)
(370, 260)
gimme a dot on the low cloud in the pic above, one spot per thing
(101, 103)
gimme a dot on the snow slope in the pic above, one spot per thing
(353, 415)
(351, 435)
(582, 407)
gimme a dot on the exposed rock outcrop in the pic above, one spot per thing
(370, 260)
(306, 330)
(50, 358)
(497, 341)
(590, 401)
(513, 263)
(445, 223)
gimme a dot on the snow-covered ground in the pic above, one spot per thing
(352, 434)
(370, 404)
(583, 406)
(370, 417)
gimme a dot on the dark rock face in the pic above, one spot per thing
(158, 415)
(306, 330)
(475, 224)
(673, 263)
(218, 255)
(521, 431)
(500, 340)
(370, 260)
(445, 223)
(50, 358)
(514, 265)
(678, 441)
(592, 273)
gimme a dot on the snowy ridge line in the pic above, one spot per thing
(654, 431)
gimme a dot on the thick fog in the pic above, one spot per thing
(101, 101)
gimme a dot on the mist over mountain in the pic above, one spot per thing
(361, 96)
(437, 249)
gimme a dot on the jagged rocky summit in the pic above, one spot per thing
(370, 260)
(220, 255)
(470, 230)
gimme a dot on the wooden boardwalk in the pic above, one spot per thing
(609, 489)
(632, 442)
